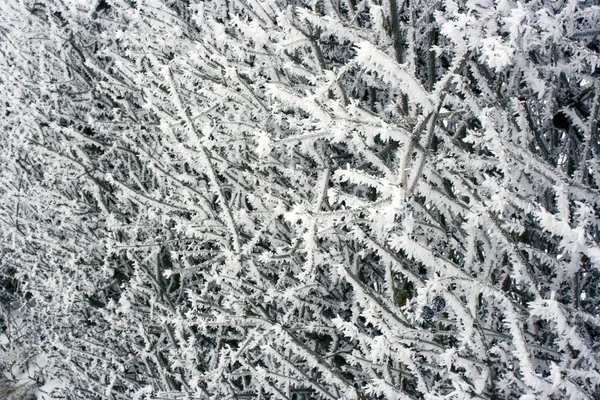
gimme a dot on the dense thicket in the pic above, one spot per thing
(334, 199)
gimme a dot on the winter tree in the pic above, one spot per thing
(330, 199)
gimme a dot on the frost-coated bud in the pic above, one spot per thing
(427, 313)
(438, 303)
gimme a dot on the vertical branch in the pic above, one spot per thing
(433, 36)
(592, 130)
(398, 44)
(396, 34)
